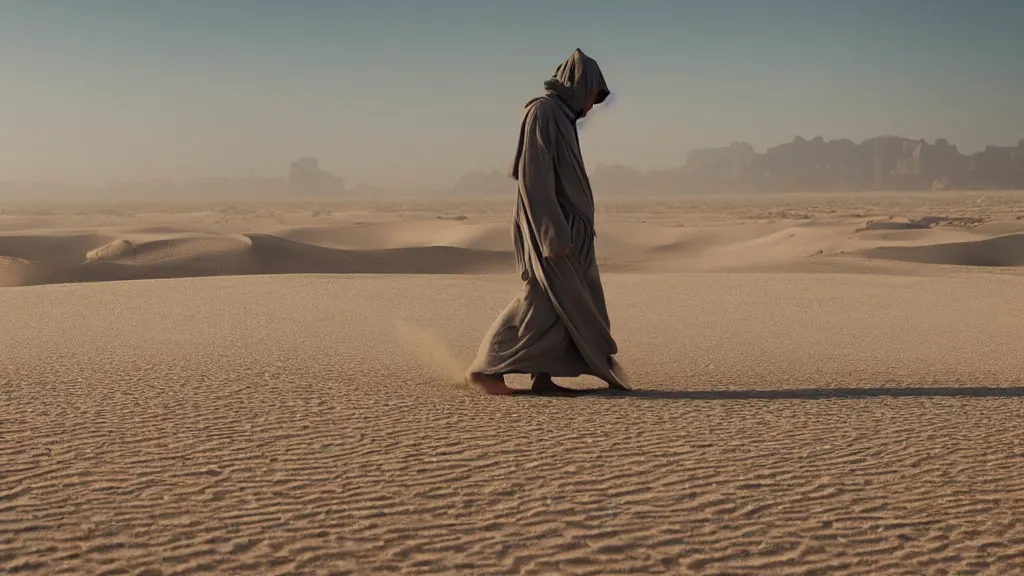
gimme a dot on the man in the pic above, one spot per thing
(558, 325)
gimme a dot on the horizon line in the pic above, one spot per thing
(251, 176)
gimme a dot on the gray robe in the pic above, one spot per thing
(558, 325)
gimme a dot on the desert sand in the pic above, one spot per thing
(826, 384)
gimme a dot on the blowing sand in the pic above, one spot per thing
(826, 385)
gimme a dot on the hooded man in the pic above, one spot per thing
(558, 325)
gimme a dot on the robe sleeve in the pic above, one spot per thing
(537, 182)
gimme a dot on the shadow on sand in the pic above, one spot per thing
(798, 393)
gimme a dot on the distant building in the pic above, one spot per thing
(306, 179)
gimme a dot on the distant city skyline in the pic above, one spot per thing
(884, 162)
(406, 94)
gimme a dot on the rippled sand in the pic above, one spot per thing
(797, 412)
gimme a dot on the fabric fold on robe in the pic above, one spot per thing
(559, 324)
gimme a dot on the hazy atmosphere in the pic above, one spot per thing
(406, 94)
(511, 287)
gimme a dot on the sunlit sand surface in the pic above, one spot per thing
(825, 385)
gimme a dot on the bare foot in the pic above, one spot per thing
(493, 385)
(543, 384)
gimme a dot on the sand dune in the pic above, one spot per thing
(816, 395)
(424, 243)
(1000, 251)
(421, 233)
(245, 254)
(52, 248)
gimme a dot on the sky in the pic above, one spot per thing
(416, 93)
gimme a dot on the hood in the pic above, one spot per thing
(576, 79)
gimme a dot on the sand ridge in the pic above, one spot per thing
(476, 239)
(245, 254)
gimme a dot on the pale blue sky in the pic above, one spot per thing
(419, 92)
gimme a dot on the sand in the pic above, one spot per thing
(826, 385)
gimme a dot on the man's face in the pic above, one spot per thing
(589, 104)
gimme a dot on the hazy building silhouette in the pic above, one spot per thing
(817, 165)
(306, 179)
